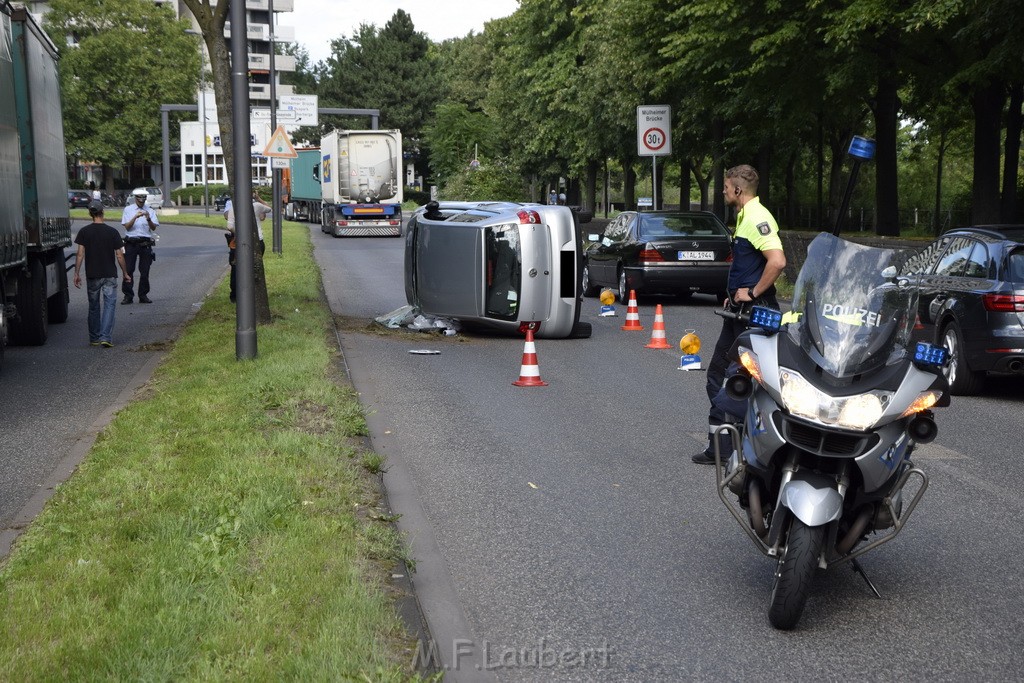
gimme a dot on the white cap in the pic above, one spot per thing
(140, 193)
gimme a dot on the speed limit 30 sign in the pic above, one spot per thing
(654, 130)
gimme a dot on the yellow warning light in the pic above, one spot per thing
(690, 343)
(607, 297)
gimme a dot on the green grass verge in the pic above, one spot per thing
(224, 525)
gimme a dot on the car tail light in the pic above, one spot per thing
(1003, 303)
(728, 257)
(392, 222)
(342, 224)
(527, 216)
(650, 254)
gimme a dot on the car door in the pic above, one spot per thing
(601, 257)
(947, 286)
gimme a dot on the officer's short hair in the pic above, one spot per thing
(744, 176)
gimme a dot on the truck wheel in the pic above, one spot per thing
(30, 325)
(57, 307)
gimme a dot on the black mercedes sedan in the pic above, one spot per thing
(659, 252)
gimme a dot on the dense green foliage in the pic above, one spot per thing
(123, 60)
(552, 91)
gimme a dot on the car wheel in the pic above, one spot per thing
(581, 330)
(623, 292)
(962, 380)
(588, 287)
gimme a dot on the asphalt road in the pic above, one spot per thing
(562, 533)
(52, 396)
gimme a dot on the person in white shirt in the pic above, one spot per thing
(260, 211)
(140, 224)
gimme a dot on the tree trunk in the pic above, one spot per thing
(987, 102)
(628, 185)
(718, 169)
(763, 164)
(684, 185)
(791, 205)
(939, 160)
(211, 20)
(590, 191)
(1011, 154)
(887, 216)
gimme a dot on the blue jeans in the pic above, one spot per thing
(101, 324)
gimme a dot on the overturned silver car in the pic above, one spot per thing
(500, 265)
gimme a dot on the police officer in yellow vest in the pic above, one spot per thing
(757, 261)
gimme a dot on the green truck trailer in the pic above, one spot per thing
(35, 225)
(302, 185)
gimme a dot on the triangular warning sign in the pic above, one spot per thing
(280, 146)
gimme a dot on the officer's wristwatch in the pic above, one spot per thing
(750, 293)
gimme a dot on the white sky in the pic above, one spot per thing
(318, 22)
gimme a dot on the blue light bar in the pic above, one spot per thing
(766, 318)
(862, 148)
(926, 354)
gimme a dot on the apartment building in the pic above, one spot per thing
(187, 164)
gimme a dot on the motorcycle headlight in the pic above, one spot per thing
(859, 412)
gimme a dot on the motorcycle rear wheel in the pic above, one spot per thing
(794, 575)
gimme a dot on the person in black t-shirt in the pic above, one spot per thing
(101, 248)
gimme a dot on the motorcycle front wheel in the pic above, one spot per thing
(795, 573)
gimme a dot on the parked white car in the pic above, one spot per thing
(154, 196)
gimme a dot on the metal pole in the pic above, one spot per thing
(245, 311)
(206, 169)
(654, 183)
(276, 173)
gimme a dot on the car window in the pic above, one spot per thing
(1015, 273)
(504, 272)
(978, 262)
(617, 229)
(924, 260)
(956, 257)
(680, 226)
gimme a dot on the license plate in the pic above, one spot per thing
(696, 256)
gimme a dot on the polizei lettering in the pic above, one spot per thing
(851, 315)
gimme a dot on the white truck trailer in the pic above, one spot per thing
(361, 183)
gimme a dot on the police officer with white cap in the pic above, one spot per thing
(140, 222)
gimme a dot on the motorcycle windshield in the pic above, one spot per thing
(851, 313)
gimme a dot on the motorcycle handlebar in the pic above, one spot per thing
(733, 315)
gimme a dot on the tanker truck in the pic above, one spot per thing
(361, 183)
(35, 224)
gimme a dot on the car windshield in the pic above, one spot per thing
(851, 313)
(679, 225)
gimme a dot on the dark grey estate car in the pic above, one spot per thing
(972, 301)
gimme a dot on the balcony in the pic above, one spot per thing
(262, 63)
(279, 5)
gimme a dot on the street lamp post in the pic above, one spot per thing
(202, 109)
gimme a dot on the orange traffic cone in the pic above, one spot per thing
(632, 314)
(658, 333)
(529, 373)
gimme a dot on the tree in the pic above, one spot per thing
(114, 79)
(211, 20)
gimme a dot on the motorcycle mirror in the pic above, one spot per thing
(889, 272)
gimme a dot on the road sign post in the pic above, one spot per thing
(654, 137)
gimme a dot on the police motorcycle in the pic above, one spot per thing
(835, 397)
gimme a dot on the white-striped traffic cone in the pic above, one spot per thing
(529, 373)
(632, 314)
(658, 340)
